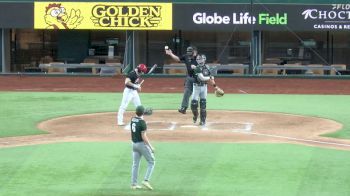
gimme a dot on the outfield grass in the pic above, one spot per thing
(181, 169)
(21, 111)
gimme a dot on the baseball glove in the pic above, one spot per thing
(148, 111)
(219, 92)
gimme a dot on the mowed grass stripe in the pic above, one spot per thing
(181, 169)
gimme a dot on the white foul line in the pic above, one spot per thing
(171, 127)
(294, 138)
(189, 126)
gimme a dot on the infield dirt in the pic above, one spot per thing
(170, 126)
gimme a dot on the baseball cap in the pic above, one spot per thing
(140, 110)
(142, 68)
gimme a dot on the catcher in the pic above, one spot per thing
(200, 89)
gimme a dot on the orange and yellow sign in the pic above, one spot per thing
(103, 15)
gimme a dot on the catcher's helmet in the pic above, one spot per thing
(140, 110)
(200, 60)
(142, 68)
(204, 58)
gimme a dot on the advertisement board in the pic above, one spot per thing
(168, 16)
(103, 15)
(246, 17)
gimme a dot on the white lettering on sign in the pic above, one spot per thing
(243, 18)
(203, 18)
(322, 26)
(341, 7)
(332, 15)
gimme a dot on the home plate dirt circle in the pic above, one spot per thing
(169, 125)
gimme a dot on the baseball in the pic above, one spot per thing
(166, 47)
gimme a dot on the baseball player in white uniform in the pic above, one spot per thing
(200, 89)
(132, 86)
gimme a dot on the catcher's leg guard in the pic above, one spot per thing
(194, 108)
(203, 111)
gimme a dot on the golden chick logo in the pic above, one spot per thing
(139, 16)
(103, 15)
(56, 17)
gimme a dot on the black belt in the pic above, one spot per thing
(129, 87)
(202, 84)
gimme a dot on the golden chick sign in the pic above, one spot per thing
(112, 15)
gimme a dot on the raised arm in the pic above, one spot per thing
(172, 55)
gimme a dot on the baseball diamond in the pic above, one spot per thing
(175, 98)
(60, 136)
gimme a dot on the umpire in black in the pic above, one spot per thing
(189, 59)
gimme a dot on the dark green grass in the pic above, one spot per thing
(21, 111)
(181, 169)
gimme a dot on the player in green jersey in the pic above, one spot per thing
(141, 146)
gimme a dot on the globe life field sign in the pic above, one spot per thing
(239, 18)
(227, 17)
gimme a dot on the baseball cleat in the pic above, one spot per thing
(147, 185)
(202, 123)
(134, 187)
(182, 110)
(121, 123)
(194, 119)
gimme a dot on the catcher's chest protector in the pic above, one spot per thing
(205, 71)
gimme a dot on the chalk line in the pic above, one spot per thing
(294, 138)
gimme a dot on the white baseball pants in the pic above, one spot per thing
(128, 95)
(199, 92)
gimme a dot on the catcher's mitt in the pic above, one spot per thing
(219, 92)
(148, 111)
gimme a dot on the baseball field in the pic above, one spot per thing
(265, 136)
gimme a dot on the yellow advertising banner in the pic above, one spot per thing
(103, 15)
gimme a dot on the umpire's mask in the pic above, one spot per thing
(189, 51)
